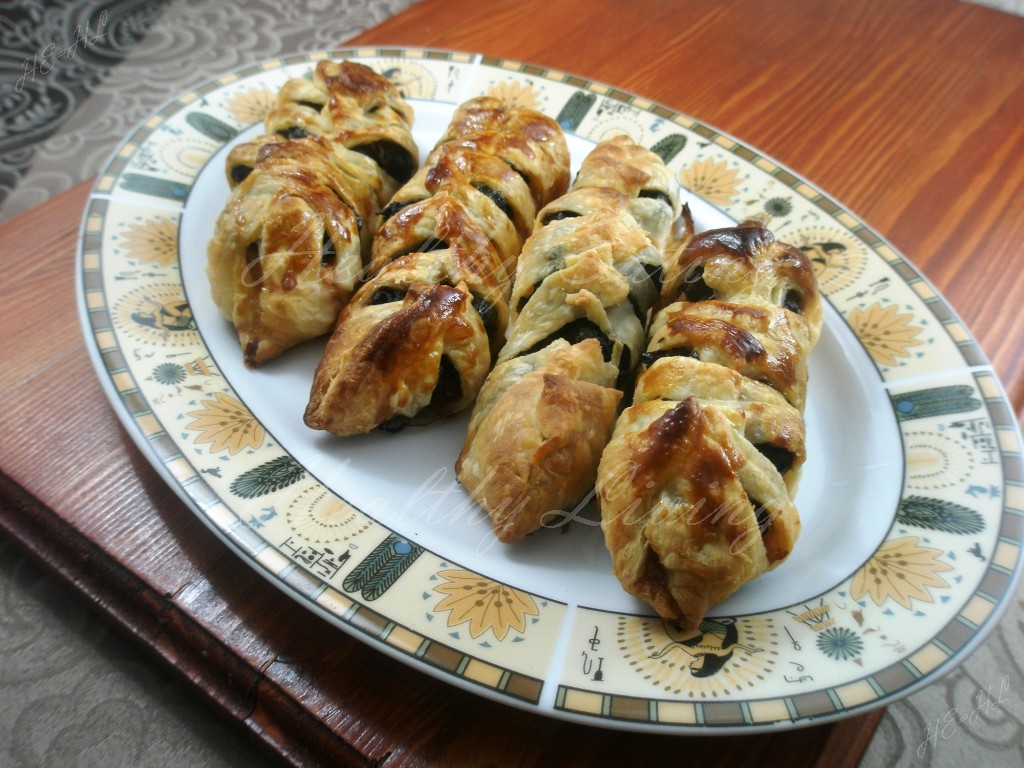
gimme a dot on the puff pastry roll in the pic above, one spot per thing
(419, 336)
(625, 167)
(354, 107)
(294, 237)
(696, 485)
(586, 281)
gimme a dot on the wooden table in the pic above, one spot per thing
(911, 113)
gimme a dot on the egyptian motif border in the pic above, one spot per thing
(910, 333)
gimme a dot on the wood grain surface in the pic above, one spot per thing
(909, 113)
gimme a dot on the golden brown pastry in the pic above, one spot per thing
(696, 485)
(294, 236)
(355, 108)
(585, 283)
(632, 170)
(539, 420)
(419, 336)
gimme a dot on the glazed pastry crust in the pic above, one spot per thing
(389, 362)
(474, 172)
(582, 293)
(454, 214)
(746, 265)
(761, 341)
(696, 485)
(293, 239)
(354, 107)
(758, 411)
(454, 228)
(609, 232)
(389, 358)
(555, 410)
(690, 509)
(288, 248)
(531, 144)
(643, 181)
(587, 287)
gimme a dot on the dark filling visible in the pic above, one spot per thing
(240, 173)
(386, 295)
(643, 282)
(791, 301)
(523, 300)
(394, 159)
(694, 288)
(579, 330)
(343, 201)
(639, 311)
(448, 389)
(780, 457)
(764, 517)
(656, 194)
(394, 424)
(648, 358)
(487, 311)
(311, 105)
(654, 272)
(625, 363)
(295, 132)
(558, 216)
(327, 253)
(497, 198)
(392, 208)
(519, 171)
(431, 244)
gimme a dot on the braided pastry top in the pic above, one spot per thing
(696, 485)
(353, 106)
(530, 144)
(586, 280)
(421, 333)
(294, 236)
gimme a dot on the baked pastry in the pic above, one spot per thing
(632, 170)
(585, 283)
(536, 434)
(355, 108)
(294, 237)
(696, 485)
(419, 336)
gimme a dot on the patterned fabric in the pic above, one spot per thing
(55, 56)
(75, 692)
(62, 122)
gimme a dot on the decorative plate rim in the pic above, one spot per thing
(971, 385)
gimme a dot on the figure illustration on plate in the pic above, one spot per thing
(709, 646)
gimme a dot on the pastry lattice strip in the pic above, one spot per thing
(585, 283)
(294, 236)
(696, 485)
(419, 336)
